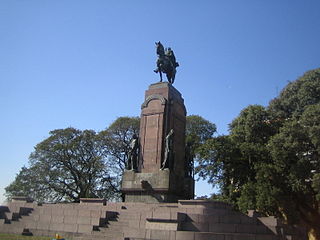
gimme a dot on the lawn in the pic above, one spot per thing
(4, 236)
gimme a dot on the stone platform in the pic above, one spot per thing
(185, 220)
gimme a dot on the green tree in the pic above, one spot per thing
(296, 96)
(230, 161)
(116, 139)
(217, 163)
(295, 153)
(198, 131)
(68, 165)
(274, 152)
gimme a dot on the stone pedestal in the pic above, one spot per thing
(162, 111)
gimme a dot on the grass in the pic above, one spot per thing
(4, 236)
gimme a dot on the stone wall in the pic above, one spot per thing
(185, 220)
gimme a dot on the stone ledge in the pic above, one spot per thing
(22, 199)
(93, 201)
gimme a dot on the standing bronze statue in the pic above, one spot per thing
(132, 163)
(168, 150)
(166, 62)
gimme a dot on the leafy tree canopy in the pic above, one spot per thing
(269, 161)
(297, 95)
(72, 164)
(116, 139)
(68, 165)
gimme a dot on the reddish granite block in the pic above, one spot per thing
(84, 220)
(43, 225)
(161, 214)
(35, 217)
(57, 212)
(209, 236)
(248, 220)
(70, 227)
(95, 213)
(135, 233)
(134, 224)
(180, 235)
(45, 218)
(70, 212)
(84, 228)
(57, 219)
(47, 211)
(222, 228)
(230, 219)
(31, 224)
(70, 219)
(245, 228)
(159, 234)
(244, 237)
(56, 227)
(95, 221)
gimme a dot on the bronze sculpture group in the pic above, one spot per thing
(166, 62)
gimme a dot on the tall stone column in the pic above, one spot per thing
(161, 175)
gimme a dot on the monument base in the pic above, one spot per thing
(155, 187)
(185, 220)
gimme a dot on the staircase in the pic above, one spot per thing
(185, 220)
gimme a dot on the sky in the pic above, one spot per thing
(85, 63)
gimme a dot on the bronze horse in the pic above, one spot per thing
(166, 63)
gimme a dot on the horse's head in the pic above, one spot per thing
(160, 48)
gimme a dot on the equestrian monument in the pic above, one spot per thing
(159, 171)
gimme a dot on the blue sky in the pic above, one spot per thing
(85, 63)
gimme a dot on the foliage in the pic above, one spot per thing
(230, 160)
(297, 95)
(68, 165)
(116, 139)
(270, 159)
(295, 153)
(72, 164)
(198, 131)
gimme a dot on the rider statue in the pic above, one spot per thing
(166, 62)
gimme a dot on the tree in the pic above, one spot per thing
(230, 161)
(217, 162)
(116, 139)
(295, 153)
(198, 131)
(68, 165)
(270, 159)
(296, 96)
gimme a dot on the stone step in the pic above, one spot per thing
(106, 234)
(203, 204)
(15, 228)
(230, 218)
(113, 228)
(181, 235)
(91, 237)
(118, 223)
(224, 228)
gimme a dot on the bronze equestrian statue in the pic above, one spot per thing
(166, 63)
